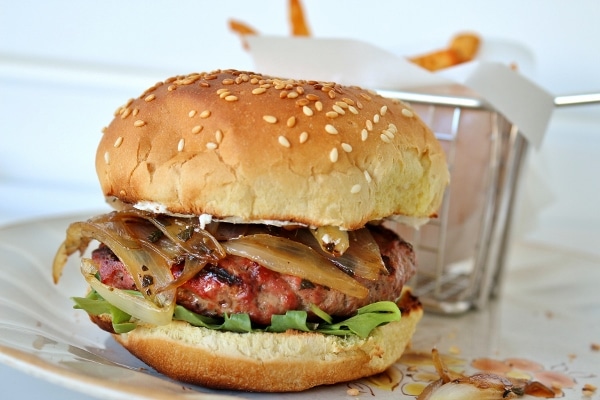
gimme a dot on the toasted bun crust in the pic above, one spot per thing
(245, 146)
(269, 362)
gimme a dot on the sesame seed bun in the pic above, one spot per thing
(269, 362)
(253, 148)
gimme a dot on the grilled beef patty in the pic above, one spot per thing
(239, 285)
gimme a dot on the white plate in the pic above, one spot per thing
(537, 319)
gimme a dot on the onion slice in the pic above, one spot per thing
(191, 240)
(134, 305)
(362, 258)
(289, 257)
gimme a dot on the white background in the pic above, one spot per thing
(65, 66)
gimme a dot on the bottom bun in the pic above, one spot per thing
(270, 362)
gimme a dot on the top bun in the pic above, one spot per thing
(251, 148)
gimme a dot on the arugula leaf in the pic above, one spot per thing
(94, 304)
(366, 319)
(233, 323)
(291, 320)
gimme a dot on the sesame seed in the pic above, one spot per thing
(392, 128)
(150, 97)
(222, 90)
(312, 97)
(365, 96)
(368, 176)
(331, 129)
(292, 95)
(231, 98)
(331, 114)
(283, 94)
(303, 137)
(383, 110)
(283, 141)
(346, 147)
(385, 138)
(333, 155)
(118, 141)
(319, 106)
(219, 136)
(359, 105)
(376, 118)
(171, 88)
(342, 104)
(225, 94)
(125, 113)
(197, 129)
(407, 113)
(138, 123)
(205, 114)
(355, 189)
(302, 102)
(338, 109)
(107, 158)
(291, 122)
(135, 111)
(258, 90)
(192, 113)
(228, 81)
(369, 125)
(270, 119)
(307, 111)
(331, 94)
(180, 144)
(211, 145)
(123, 193)
(388, 133)
(299, 90)
(353, 110)
(364, 135)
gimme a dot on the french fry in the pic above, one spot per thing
(437, 60)
(297, 20)
(462, 48)
(243, 30)
(465, 45)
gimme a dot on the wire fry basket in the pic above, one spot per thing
(462, 253)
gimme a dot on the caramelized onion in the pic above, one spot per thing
(289, 257)
(332, 239)
(450, 386)
(147, 256)
(191, 240)
(474, 387)
(127, 301)
(362, 258)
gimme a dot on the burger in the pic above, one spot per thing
(249, 247)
